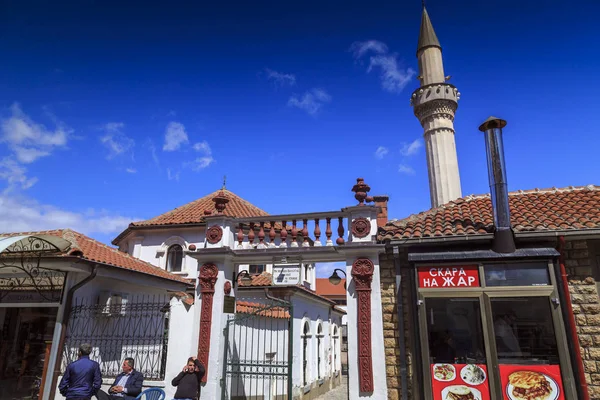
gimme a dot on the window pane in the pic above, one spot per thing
(175, 258)
(455, 331)
(516, 274)
(256, 269)
(524, 330)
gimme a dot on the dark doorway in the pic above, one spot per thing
(25, 335)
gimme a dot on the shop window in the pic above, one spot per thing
(534, 274)
(256, 269)
(305, 338)
(319, 339)
(455, 331)
(524, 330)
(175, 258)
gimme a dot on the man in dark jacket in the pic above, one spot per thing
(188, 380)
(82, 379)
(128, 384)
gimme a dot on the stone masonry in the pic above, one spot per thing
(586, 307)
(390, 327)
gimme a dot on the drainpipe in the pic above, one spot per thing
(63, 333)
(401, 337)
(582, 387)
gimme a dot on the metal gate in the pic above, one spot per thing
(258, 351)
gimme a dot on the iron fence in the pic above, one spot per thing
(137, 328)
(258, 351)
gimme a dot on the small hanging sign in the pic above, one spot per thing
(229, 305)
(448, 277)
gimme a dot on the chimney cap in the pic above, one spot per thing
(491, 123)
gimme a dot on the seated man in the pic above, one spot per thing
(128, 384)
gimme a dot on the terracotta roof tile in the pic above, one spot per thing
(92, 250)
(572, 208)
(264, 279)
(326, 288)
(246, 307)
(194, 212)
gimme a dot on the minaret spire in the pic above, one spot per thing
(435, 104)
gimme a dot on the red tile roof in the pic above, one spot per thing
(567, 209)
(195, 211)
(326, 288)
(264, 279)
(246, 307)
(92, 250)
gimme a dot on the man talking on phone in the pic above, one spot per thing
(188, 380)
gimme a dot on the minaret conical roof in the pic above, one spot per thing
(427, 36)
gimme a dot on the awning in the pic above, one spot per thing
(37, 243)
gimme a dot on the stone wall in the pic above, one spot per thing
(390, 327)
(583, 275)
(584, 296)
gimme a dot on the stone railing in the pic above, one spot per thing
(291, 230)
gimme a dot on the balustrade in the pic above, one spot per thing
(275, 232)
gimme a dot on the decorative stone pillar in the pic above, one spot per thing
(207, 279)
(362, 273)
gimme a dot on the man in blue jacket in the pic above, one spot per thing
(128, 384)
(82, 379)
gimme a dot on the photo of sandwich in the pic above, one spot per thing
(531, 385)
(460, 392)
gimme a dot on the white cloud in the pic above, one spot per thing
(172, 176)
(393, 78)
(175, 136)
(115, 140)
(311, 101)
(359, 49)
(29, 140)
(280, 79)
(207, 158)
(381, 152)
(409, 149)
(15, 175)
(203, 147)
(405, 169)
(131, 170)
(202, 162)
(22, 214)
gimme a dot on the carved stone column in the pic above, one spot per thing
(208, 278)
(362, 273)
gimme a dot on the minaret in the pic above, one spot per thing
(434, 104)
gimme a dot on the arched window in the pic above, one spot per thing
(174, 258)
(319, 338)
(305, 337)
(335, 339)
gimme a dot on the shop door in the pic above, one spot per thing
(482, 346)
(25, 334)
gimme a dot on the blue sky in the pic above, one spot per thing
(116, 111)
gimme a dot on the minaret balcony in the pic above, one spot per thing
(433, 92)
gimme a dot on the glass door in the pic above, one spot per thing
(528, 354)
(456, 355)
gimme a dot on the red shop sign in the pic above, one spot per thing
(449, 277)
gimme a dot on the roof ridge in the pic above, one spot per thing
(117, 251)
(472, 197)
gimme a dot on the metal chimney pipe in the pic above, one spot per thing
(504, 241)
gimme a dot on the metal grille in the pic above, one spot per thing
(258, 352)
(137, 328)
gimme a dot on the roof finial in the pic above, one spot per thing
(224, 182)
(423, 3)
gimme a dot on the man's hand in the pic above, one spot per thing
(117, 389)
